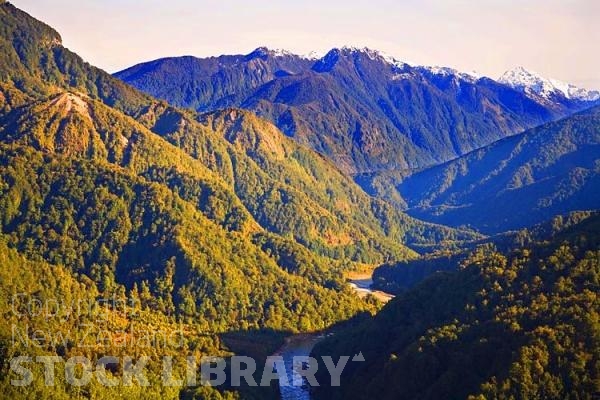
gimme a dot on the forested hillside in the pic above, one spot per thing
(522, 324)
(397, 277)
(517, 182)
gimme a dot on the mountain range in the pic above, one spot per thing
(366, 111)
(390, 126)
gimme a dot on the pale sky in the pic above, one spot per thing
(558, 38)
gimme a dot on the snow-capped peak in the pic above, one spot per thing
(267, 52)
(281, 53)
(313, 55)
(388, 58)
(471, 76)
(372, 54)
(532, 83)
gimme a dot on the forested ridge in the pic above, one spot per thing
(516, 182)
(396, 277)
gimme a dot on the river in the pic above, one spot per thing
(362, 285)
(296, 346)
(302, 345)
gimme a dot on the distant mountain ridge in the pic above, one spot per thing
(535, 85)
(365, 110)
(516, 182)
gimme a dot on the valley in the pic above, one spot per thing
(438, 229)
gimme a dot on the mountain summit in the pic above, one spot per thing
(533, 84)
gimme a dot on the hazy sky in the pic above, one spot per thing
(557, 38)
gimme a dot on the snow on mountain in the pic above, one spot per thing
(391, 59)
(535, 85)
(376, 55)
(313, 55)
(281, 53)
(471, 76)
(278, 53)
(402, 69)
